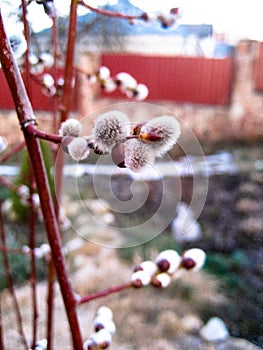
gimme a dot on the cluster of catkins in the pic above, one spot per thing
(131, 146)
(167, 266)
(124, 81)
(43, 251)
(104, 328)
(166, 19)
(101, 338)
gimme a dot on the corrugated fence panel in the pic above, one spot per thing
(258, 70)
(38, 99)
(180, 79)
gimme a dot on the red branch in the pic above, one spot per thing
(12, 151)
(2, 346)
(70, 56)
(25, 113)
(103, 293)
(14, 251)
(113, 13)
(8, 184)
(10, 281)
(33, 273)
(42, 134)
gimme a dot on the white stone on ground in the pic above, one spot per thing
(214, 330)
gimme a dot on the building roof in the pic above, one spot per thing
(116, 26)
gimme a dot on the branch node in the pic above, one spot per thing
(25, 123)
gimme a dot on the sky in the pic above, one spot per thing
(238, 19)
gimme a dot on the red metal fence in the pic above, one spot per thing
(37, 98)
(180, 79)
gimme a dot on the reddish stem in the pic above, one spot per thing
(27, 61)
(42, 134)
(8, 184)
(113, 13)
(12, 151)
(2, 346)
(70, 56)
(55, 48)
(13, 250)
(25, 113)
(103, 293)
(33, 261)
(10, 281)
(51, 268)
(50, 305)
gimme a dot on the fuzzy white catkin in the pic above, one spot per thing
(104, 73)
(197, 255)
(47, 59)
(47, 80)
(104, 323)
(149, 267)
(137, 155)
(168, 128)
(142, 92)
(106, 312)
(172, 257)
(125, 81)
(109, 85)
(88, 343)
(143, 277)
(101, 336)
(164, 279)
(110, 128)
(78, 149)
(71, 127)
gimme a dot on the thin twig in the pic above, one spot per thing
(56, 54)
(2, 346)
(33, 261)
(8, 184)
(51, 268)
(70, 58)
(103, 293)
(50, 305)
(113, 13)
(10, 281)
(27, 37)
(42, 134)
(12, 151)
(14, 250)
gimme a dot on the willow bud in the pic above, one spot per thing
(161, 133)
(140, 279)
(110, 128)
(102, 338)
(193, 259)
(162, 280)
(168, 261)
(125, 81)
(137, 155)
(71, 127)
(147, 266)
(78, 149)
